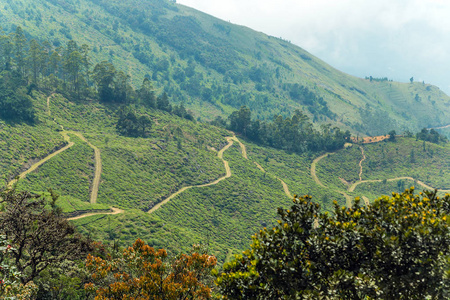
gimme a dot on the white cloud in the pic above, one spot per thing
(380, 38)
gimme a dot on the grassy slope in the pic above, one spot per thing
(388, 160)
(69, 173)
(223, 216)
(431, 162)
(90, 22)
(140, 171)
(137, 172)
(23, 144)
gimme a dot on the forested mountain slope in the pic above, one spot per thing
(132, 161)
(221, 207)
(214, 67)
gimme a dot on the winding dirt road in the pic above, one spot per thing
(353, 186)
(97, 156)
(115, 211)
(348, 199)
(259, 167)
(285, 186)
(48, 104)
(360, 163)
(98, 163)
(98, 167)
(227, 175)
(313, 168)
(42, 161)
(366, 200)
(441, 127)
(243, 148)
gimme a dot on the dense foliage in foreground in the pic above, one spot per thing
(396, 248)
(145, 273)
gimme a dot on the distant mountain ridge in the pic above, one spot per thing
(213, 67)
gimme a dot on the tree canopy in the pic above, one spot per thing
(294, 133)
(38, 232)
(398, 247)
(142, 272)
(27, 65)
(431, 136)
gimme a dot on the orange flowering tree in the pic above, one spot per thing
(395, 248)
(145, 273)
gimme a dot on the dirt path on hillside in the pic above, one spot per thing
(285, 187)
(98, 167)
(45, 159)
(49, 112)
(259, 167)
(441, 127)
(97, 158)
(313, 168)
(360, 162)
(243, 148)
(227, 175)
(97, 172)
(98, 163)
(353, 186)
(370, 139)
(348, 199)
(115, 211)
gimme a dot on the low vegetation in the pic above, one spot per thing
(395, 248)
(56, 94)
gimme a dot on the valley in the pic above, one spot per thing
(149, 122)
(242, 167)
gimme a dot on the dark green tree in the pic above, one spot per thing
(20, 43)
(36, 60)
(240, 120)
(163, 103)
(122, 87)
(144, 124)
(104, 76)
(146, 94)
(395, 248)
(39, 233)
(15, 104)
(73, 65)
(6, 52)
(392, 134)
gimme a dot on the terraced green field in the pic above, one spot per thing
(137, 173)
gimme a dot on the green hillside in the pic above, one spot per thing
(214, 67)
(140, 172)
(131, 162)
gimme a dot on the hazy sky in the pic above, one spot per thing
(383, 38)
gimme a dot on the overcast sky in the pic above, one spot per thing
(383, 38)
